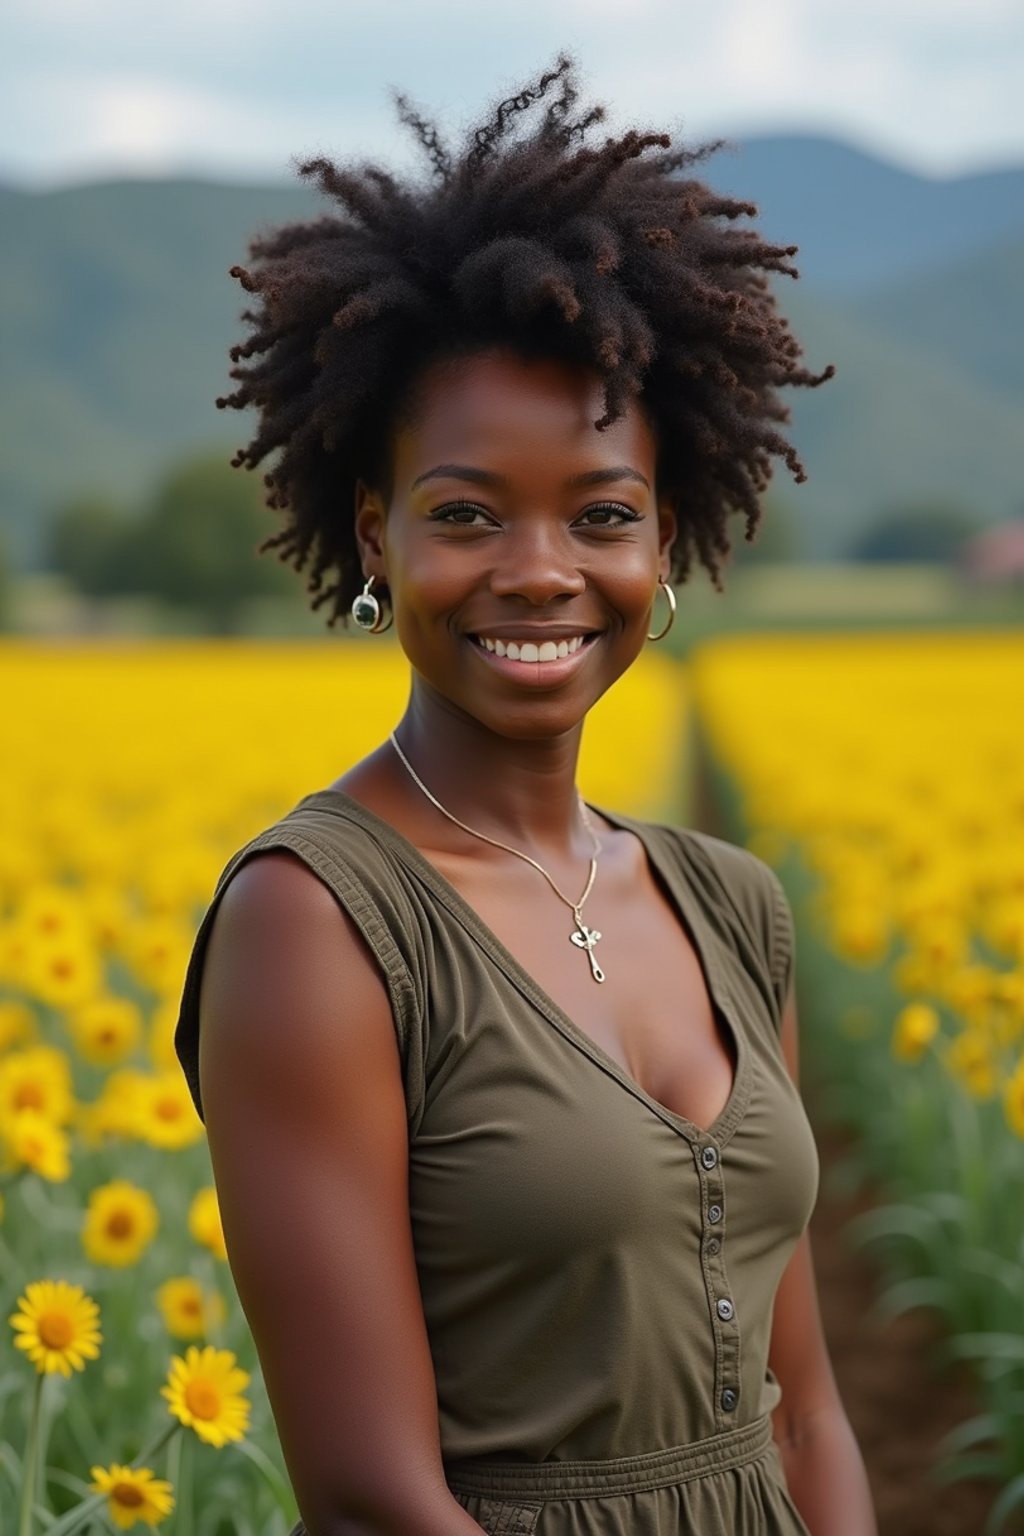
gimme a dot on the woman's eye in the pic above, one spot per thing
(459, 512)
(609, 510)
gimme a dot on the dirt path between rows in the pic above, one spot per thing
(900, 1397)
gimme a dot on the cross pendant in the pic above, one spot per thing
(586, 938)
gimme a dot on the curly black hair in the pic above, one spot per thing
(543, 245)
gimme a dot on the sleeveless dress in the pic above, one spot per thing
(597, 1272)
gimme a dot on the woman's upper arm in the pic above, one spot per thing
(306, 1121)
(798, 1353)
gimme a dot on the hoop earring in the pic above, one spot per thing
(366, 611)
(672, 610)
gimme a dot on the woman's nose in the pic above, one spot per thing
(537, 563)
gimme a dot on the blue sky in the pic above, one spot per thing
(240, 88)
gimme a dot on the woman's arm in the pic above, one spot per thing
(822, 1460)
(306, 1120)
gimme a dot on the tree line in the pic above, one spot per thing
(192, 543)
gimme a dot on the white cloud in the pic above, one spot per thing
(84, 89)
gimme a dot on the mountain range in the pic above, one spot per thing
(117, 312)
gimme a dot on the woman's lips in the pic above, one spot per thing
(534, 674)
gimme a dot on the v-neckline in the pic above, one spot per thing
(687, 911)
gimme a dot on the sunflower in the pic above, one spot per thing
(204, 1222)
(1013, 1100)
(916, 1027)
(116, 1111)
(107, 912)
(57, 1326)
(17, 1023)
(157, 948)
(106, 1029)
(162, 1025)
(167, 1116)
(50, 913)
(63, 973)
(187, 1312)
(133, 1493)
(968, 1058)
(119, 1223)
(37, 1078)
(203, 1392)
(32, 1140)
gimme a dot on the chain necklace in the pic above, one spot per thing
(583, 937)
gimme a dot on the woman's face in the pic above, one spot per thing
(559, 540)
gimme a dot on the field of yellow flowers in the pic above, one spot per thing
(130, 1391)
(883, 776)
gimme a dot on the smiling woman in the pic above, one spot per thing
(520, 1253)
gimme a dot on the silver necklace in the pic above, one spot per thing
(583, 937)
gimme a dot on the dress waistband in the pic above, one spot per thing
(493, 1478)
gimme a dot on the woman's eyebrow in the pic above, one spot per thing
(488, 477)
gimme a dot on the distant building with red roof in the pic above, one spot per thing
(995, 555)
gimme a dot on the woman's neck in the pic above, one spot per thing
(522, 792)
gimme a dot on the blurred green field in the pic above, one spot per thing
(761, 596)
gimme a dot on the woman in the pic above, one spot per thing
(500, 1088)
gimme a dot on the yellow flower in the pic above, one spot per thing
(33, 1141)
(64, 973)
(116, 1111)
(916, 1027)
(17, 1023)
(161, 1034)
(107, 913)
(133, 1493)
(106, 1029)
(37, 1078)
(202, 1391)
(51, 913)
(57, 1326)
(911, 973)
(158, 948)
(1013, 1100)
(969, 1059)
(120, 1221)
(204, 1222)
(860, 931)
(166, 1114)
(188, 1313)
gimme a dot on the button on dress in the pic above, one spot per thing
(597, 1272)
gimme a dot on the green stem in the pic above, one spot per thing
(180, 1480)
(73, 1518)
(10, 1267)
(28, 1465)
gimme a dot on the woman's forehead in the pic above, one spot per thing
(495, 405)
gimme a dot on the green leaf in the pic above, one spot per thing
(1011, 1498)
(891, 1221)
(11, 1461)
(281, 1490)
(994, 1267)
(987, 1346)
(947, 1205)
(984, 1426)
(983, 1464)
(919, 1291)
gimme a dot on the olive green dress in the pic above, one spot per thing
(597, 1272)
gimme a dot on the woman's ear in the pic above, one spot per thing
(668, 527)
(370, 518)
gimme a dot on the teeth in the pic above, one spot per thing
(528, 650)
